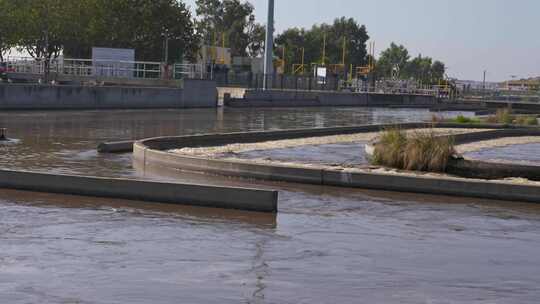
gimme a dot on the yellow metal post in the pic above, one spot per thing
(303, 53)
(373, 56)
(223, 48)
(324, 50)
(344, 51)
(213, 48)
(283, 60)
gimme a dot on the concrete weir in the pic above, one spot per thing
(151, 156)
(162, 192)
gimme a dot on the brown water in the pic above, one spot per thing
(343, 154)
(527, 154)
(327, 245)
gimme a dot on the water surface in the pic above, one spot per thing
(326, 245)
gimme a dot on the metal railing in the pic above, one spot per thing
(329, 83)
(105, 68)
(191, 71)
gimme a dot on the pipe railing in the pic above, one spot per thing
(106, 68)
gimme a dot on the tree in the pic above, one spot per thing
(419, 69)
(438, 70)
(44, 26)
(231, 21)
(7, 28)
(394, 58)
(328, 39)
(143, 26)
(47, 28)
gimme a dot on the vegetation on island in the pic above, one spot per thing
(421, 150)
(502, 116)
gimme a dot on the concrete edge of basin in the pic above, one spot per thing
(149, 156)
(152, 191)
(256, 136)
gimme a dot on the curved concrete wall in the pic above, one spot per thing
(147, 155)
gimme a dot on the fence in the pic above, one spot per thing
(106, 68)
(278, 81)
(329, 83)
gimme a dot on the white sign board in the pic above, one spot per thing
(321, 72)
(112, 62)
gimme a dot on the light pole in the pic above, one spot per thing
(269, 45)
(166, 45)
(165, 64)
(484, 85)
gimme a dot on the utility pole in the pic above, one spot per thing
(269, 46)
(484, 85)
(166, 46)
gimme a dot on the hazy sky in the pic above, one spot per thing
(500, 36)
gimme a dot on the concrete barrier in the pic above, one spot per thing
(173, 193)
(434, 185)
(518, 106)
(149, 157)
(194, 94)
(285, 98)
(116, 147)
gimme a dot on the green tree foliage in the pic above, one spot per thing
(334, 35)
(233, 21)
(396, 58)
(438, 70)
(43, 24)
(74, 26)
(140, 24)
(7, 28)
(392, 61)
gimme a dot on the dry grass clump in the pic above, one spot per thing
(420, 150)
(390, 148)
(527, 120)
(505, 116)
(436, 118)
(502, 116)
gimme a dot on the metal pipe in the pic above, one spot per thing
(269, 45)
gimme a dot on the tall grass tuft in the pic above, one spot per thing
(419, 151)
(527, 120)
(389, 150)
(502, 116)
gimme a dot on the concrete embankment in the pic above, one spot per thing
(150, 156)
(527, 107)
(173, 193)
(193, 94)
(278, 98)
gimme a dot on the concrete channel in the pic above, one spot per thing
(161, 192)
(151, 156)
